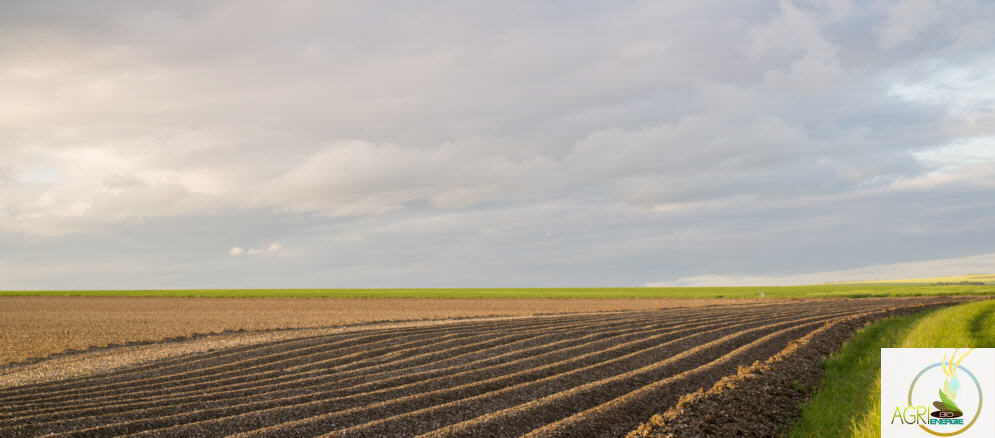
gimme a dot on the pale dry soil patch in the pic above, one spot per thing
(38, 327)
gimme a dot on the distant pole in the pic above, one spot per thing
(762, 295)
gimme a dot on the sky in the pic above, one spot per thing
(368, 144)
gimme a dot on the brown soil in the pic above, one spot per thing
(35, 327)
(760, 400)
(592, 374)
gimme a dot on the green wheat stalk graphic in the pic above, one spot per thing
(951, 384)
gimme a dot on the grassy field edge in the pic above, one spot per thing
(811, 291)
(847, 403)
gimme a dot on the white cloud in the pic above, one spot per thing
(272, 248)
(355, 178)
(966, 89)
(676, 133)
(312, 134)
(961, 153)
(983, 263)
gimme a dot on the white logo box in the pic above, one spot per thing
(919, 375)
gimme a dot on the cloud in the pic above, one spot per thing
(238, 251)
(514, 143)
(905, 20)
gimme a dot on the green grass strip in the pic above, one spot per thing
(967, 325)
(811, 291)
(984, 329)
(848, 402)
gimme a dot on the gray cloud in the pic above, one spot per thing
(488, 144)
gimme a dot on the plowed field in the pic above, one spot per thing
(565, 375)
(38, 326)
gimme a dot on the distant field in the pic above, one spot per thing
(973, 278)
(852, 290)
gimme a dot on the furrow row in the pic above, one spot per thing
(295, 352)
(617, 417)
(306, 382)
(356, 396)
(362, 408)
(596, 374)
(539, 402)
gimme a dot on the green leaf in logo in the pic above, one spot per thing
(951, 406)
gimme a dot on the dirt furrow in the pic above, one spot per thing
(109, 383)
(366, 346)
(451, 385)
(487, 394)
(564, 375)
(553, 408)
(406, 383)
(619, 416)
(202, 361)
(287, 348)
(257, 381)
(771, 383)
(569, 392)
(303, 386)
(205, 360)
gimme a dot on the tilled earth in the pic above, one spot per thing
(760, 400)
(572, 375)
(34, 327)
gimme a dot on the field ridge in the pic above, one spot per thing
(590, 374)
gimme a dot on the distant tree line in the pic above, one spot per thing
(959, 283)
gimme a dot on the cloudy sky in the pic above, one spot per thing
(149, 144)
